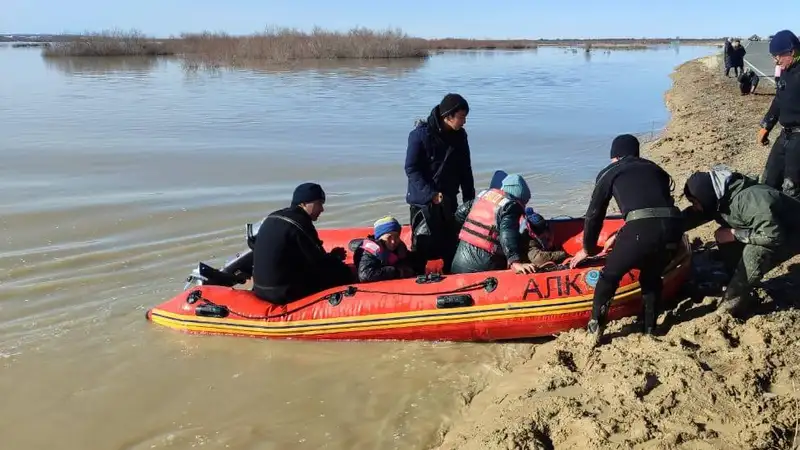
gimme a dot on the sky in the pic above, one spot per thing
(520, 19)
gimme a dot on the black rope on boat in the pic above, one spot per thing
(490, 284)
(197, 295)
(334, 298)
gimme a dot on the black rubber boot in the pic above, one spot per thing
(597, 324)
(595, 330)
(651, 302)
(737, 298)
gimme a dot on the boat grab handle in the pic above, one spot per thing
(454, 301)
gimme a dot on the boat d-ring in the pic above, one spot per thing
(490, 284)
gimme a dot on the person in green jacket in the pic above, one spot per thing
(755, 228)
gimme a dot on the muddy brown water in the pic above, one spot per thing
(120, 174)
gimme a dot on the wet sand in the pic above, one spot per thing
(706, 381)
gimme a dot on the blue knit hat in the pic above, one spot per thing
(784, 41)
(515, 186)
(385, 225)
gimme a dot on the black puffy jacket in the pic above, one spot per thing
(470, 259)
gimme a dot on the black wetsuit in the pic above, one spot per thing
(782, 170)
(648, 239)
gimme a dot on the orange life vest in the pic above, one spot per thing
(480, 227)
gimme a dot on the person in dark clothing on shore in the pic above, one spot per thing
(489, 238)
(737, 53)
(726, 55)
(748, 82)
(383, 256)
(758, 228)
(647, 241)
(438, 164)
(782, 170)
(289, 262)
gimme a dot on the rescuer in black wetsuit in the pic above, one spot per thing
(782, 170)
(647, 241)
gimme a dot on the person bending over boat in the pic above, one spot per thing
(489, 238)
(748, 82)
(289, 262)
(755, 223)
(651, 234)
(538, 239)
(438, 163)
(383, 256)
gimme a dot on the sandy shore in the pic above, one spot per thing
(706, 381)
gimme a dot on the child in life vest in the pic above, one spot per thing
(383, 255)
(538, 239)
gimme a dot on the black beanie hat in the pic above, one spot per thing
(624, 145)
(700, 187)
(307, 193)
(452, 103)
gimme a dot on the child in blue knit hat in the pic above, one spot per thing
(383, 255)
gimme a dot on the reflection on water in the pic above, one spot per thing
(121, 173)
(87, 65)
(94, 66)
(389, 67)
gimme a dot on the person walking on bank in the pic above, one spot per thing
(737, 53)
(438, 164)
(289, 262)
(782, 170)
(755, 228)
(649, 238)
(726, 56)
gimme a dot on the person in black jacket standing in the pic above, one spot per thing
(736, 55)
(289, 262)
(652, 231)
(438, 164)
(782, 170)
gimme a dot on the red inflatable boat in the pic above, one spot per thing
(470, 307)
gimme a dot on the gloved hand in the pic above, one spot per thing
(763, 138)
(339, 253)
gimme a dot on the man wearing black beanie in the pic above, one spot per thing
(649, 238)
(754, 234)
(289, 262)
(438, 164)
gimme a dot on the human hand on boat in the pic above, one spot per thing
(609, 245)
(724, 235)
(523, 267)
(578, 258)
(339, 253)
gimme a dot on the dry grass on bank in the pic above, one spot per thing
(286, 44)
(480, 44)
(109, 43)
(278, 45)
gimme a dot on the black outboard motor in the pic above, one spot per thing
(236, 271)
